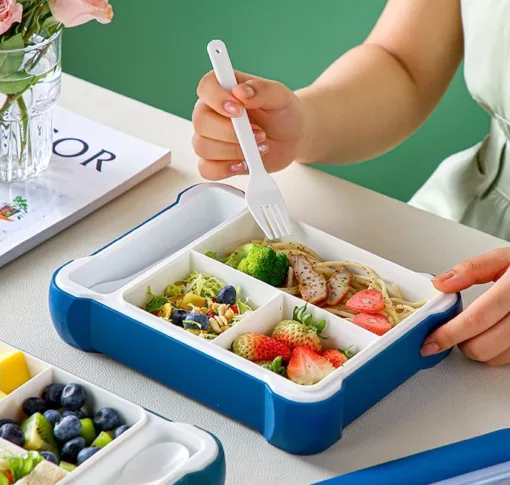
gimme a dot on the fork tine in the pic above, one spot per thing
(270, 220)
(278, 220)
(261, 219)
(283, 215)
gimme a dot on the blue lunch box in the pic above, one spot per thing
(95, 306)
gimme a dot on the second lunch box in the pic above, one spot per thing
(96, 301)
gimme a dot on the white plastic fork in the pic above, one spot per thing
(263, 197)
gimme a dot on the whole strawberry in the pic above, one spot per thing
(301, 331)
(257, 347)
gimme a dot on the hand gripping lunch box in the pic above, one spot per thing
(203, 462)
(95, 306)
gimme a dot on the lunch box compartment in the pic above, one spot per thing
(175, 229)
(414, 286)
(298, 419)
(206, 459)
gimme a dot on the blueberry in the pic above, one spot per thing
(74, 397)
(6, 421)
(52, 395)
(34, 405)
(120, 430)
(106, 419)
(86, 453)
(79, 414)
(67, 429)
(227, 295)
(48, 455)
(13, 433)
(52, 416)
(71, 449)
(178, 316)
(196, 320)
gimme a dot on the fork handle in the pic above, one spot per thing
(224, 72)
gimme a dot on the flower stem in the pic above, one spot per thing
(23, 110)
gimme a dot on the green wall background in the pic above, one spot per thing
(154, 51)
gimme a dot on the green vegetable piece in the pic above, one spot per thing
(203, 285)
(263, 263)
(174, 290)
(212, 254)
(156, 302)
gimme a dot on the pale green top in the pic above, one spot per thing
(473, 187)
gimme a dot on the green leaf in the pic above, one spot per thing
(49, 23)
(155, 303)
(15, 83)
(10, 62)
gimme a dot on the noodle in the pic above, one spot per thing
(396, 307)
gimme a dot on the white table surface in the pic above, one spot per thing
(456, 400)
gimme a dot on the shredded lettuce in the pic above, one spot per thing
(204, 285)
(156, 302)
(174, 290)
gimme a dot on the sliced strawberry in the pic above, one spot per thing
(366, 301)
(335, 356)
(377, 324)
(307, 367)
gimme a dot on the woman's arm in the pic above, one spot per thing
(379, 93)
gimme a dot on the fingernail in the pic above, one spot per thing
(232, 108)
(239, 167)
(260, 136)
(430, 349)
(444, 276)
(263, 148)
(247, 91)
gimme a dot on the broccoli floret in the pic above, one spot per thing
(238, 255)
(265, 264)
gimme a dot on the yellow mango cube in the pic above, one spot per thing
(13, 371)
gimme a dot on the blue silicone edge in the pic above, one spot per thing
(431, 466)
(298, 428)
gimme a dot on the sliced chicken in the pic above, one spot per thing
(312, 285)
(338, 286)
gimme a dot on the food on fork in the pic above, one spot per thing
(200, 304)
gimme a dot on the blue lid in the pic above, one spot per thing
(476, 456)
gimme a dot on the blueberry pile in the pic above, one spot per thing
(59, 429)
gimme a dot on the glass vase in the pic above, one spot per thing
(30, 81)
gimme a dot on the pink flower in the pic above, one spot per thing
(76, 12)
(10, 12)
